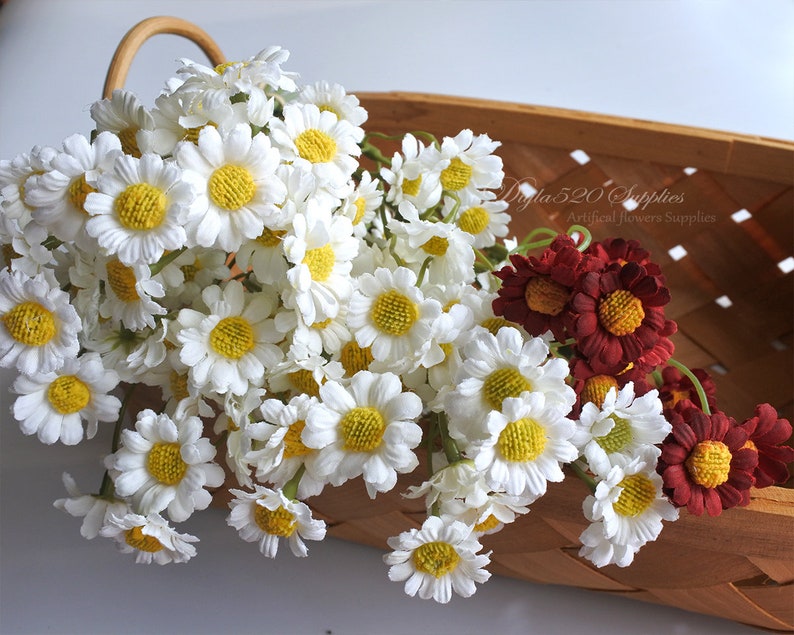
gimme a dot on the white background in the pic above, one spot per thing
(725, 65)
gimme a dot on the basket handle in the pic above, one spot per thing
(137, 35)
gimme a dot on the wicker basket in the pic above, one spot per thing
(731, 299)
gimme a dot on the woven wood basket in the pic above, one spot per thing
(731, 299)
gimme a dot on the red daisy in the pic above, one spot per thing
(676, 387)
(617, 318)
(592, 386)
(766, 434)
(536, 292)
(705, 464)
(621, 251)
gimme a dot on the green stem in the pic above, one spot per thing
(704, 404)
(423, 270)
(587, 237)
(451, 450)
(453, 212)
(290, 490)
(106, 490)
(166, 260)
(584, 476)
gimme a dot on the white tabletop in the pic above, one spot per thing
(723, 65)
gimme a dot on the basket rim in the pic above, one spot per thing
(720, 151)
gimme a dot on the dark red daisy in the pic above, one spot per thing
(621, 251)
(705, 464)
(591, 386)
(535, 292)
(676, 387)
(767, 432)
(617, 317)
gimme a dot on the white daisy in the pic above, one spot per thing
(129, 294)
(278, 451)
(408, 177)
(459, 481)
(39, 329)
(362, 204)
(467, 165)
(137, 211)
(234, 422)
(238, 190)
(229, 348)
(266, 515)
(303, 372)
(124, 115)
(137, 356)
(93, 509)
(624, 425)
(150, 538)
(447, 246)
(527, 443)
(14, 176)
(59, 195)
(323, 336)
(318, 142)
(333, 98)
(165, 463)
(498, 367)
(626, 511)
(485, 221)
(54, 405)
(389, 314)
(365, 428)
(264, 255)
(437, 559)
(321, 248)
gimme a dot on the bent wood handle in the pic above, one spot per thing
(137, 35)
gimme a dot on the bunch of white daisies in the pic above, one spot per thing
(317, 318)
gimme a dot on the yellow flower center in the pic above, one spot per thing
(165, 463)
(394, 313)
(271, 237)
(522, 441)
(493, 324)
(456, 175)
(361, 206)
(355, 358)
(501, 384)
(637, 495)
(192, 134)
(276, 522)
(621, 312)
(293, 445)
(596, 388)
(304, 381)
(436, 246)
(121, 279)
(709, 464)
(129, 143)
(231, 425)
(411, 186)
(447, 347)
(618, 437)
(474, 220)
(492, 522)
(546, 296)
(141, 206)
(362, 429)
(221, 68)
(178, 383)
(232, 337)
(328, 108)
(320, 262)
(315, 146)
(136, 539)
(30, 323)
(78, 191)
(189, 271)
(230, 187)
(749, 445)
(322, 324)
(435, 558)
(68, 394)
(446, 308)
